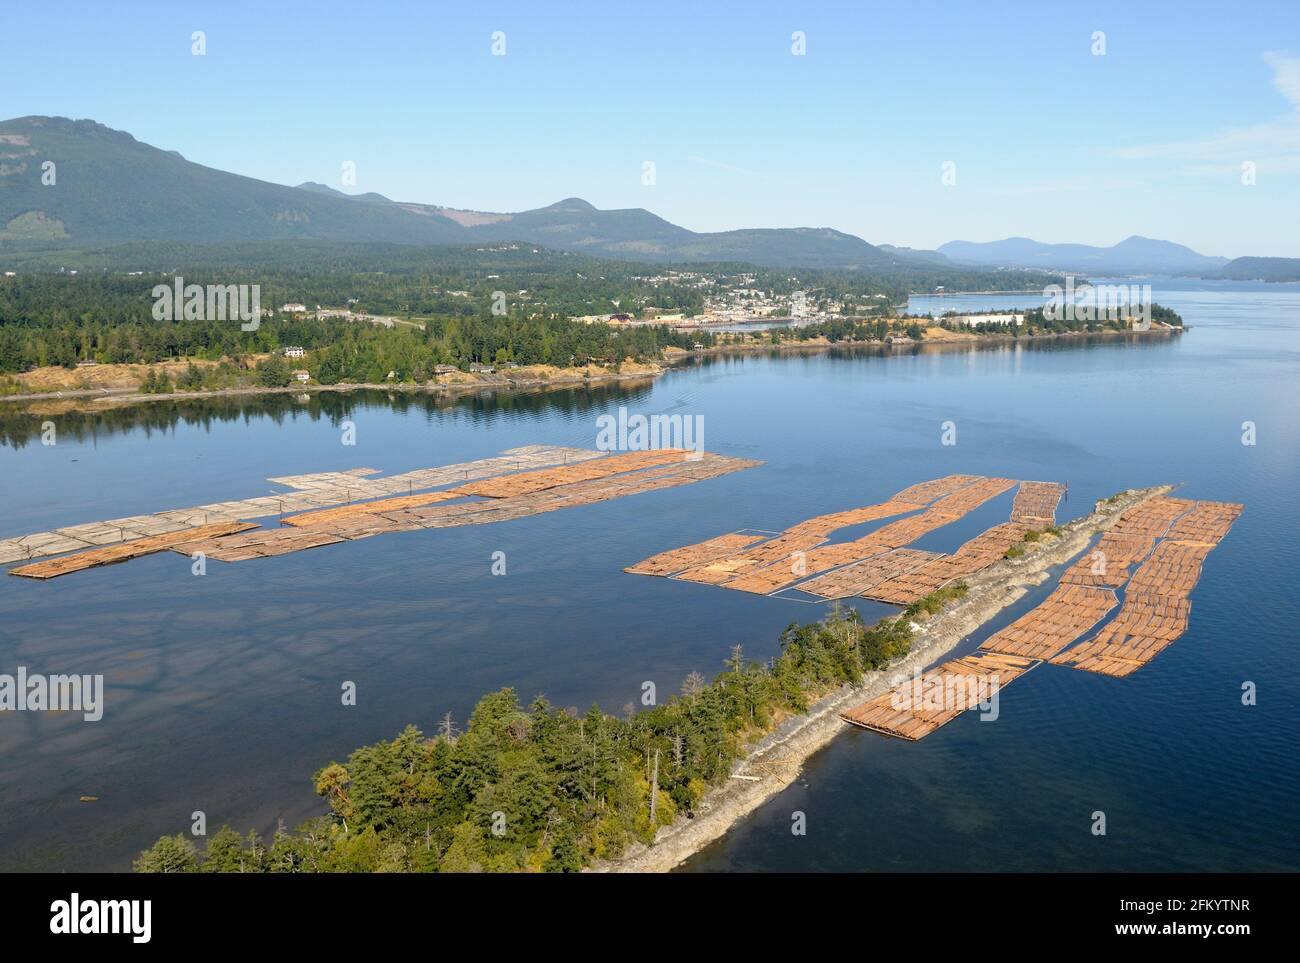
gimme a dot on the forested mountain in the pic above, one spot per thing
(107, 187)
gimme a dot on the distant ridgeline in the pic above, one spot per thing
(1262, 269)
(545, 789)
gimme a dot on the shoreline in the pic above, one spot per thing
(567, 378)
(955, 339)
(131, 396)
(777, 759)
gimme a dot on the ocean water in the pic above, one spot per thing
(223, 690)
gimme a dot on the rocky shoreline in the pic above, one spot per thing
(580, 377)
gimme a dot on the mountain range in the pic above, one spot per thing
(79, 183)
(1140, 255)
(111, 188)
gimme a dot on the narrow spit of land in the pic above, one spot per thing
(776, 761)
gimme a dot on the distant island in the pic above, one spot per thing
(1262, 269)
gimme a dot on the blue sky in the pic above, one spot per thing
(1048, 140)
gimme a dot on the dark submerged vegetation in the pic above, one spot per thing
(539, 788)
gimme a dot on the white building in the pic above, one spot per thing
(302, 376)
(971, 320)
(293, 309)
(295, 352)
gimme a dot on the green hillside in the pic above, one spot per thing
(110, 187)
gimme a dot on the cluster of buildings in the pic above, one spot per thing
(743, 305)
(975, 320)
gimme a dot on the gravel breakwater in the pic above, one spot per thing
(776, 760)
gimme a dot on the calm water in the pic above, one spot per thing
(223, 691)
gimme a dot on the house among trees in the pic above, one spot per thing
(441, 369)
(302, 376)
(295, 352)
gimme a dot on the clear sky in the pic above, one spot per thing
(1048, 139)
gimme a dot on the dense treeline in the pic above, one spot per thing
(347, 350)
(1039, 320)
(60, 319)
(538, 788)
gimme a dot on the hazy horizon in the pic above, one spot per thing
(1054, 132)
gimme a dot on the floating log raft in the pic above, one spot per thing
(927, 491)
(784, 549)
(1035, 503)
(453, 509)
(690, 556)
(581, 478)
(1208, 522)
(377, 507)
(802, 551)
(987, 548)
(1170, 537)
(1143, 628)
(1062, 617)
(313, 491)
(108, 555)
(1157, 603)
(823, 525)
(263, 543)
(970, 497)
(382, 518)
(860, 577)
(921, 705)
(526, 483)
(1153, 517)
(1107, 563)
